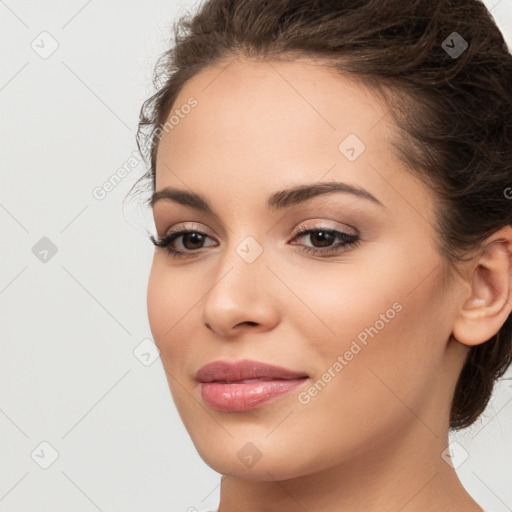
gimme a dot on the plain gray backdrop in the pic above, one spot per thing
(87, 421)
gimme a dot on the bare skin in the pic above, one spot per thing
(372, 438)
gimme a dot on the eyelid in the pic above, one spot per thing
(165, 214)
(186, 226)
(318, 224)
(315, 224)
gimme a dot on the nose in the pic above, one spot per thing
(241, 297)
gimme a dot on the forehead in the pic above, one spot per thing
(279, 109)
(261, 125)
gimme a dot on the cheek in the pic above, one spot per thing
(168, 301)
(363, 391)
(337, 302)
(384, 318)
(387, 288)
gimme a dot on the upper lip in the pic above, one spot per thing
(231, 371)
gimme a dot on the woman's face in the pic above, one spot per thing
(369, 322)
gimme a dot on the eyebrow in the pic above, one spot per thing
(276, 201)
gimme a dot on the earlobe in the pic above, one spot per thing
(486, 310)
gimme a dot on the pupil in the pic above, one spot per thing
(196, 238)
(322, 238)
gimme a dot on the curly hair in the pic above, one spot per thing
(445, 71)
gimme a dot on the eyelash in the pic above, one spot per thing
(349, 241)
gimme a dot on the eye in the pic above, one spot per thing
(191, 240)
(323, 237)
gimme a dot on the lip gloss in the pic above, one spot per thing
(245, 395)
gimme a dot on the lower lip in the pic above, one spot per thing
(240, 396)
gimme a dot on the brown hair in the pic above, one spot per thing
(453, 104)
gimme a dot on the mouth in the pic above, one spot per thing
(246, 394)
(241, 385)
(245, 370)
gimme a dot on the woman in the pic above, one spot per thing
(331, 284)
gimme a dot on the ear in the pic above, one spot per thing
(490, 302)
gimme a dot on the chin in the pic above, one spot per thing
(250, 460)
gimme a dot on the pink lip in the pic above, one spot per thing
(244, 369)
(230, 395)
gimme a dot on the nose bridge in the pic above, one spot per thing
(240, 268)
(238, 290)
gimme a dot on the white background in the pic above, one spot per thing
(69, 326)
